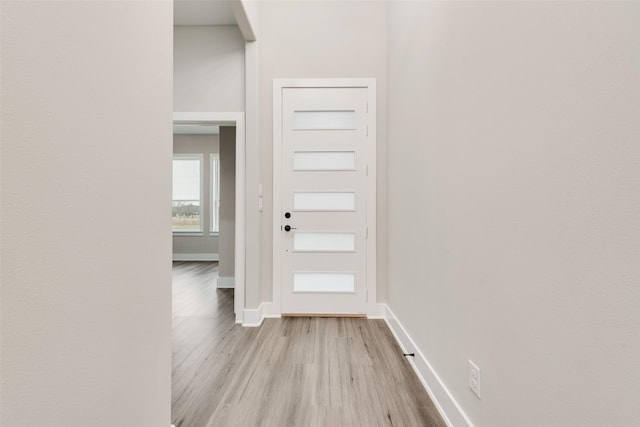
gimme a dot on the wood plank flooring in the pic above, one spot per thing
(325, 372)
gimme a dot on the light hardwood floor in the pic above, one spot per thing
(333, 372)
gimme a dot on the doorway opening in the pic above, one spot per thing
(208, 274)
(210, 148)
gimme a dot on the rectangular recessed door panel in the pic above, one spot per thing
(324, 201)
(324, 120)
(324, 282)
(324, 160)
(324, 242)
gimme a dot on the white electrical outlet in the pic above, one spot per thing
(474, 378)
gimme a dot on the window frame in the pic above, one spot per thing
(214, 202)
(200, 158)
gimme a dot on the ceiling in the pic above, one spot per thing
(203, 12)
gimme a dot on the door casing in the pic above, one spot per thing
(278, 86)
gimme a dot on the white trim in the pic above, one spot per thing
(278, 86)
(332, 82)
(379, 312)
(225, 282)
(196, 257)
(253, 318)
(242, 19)
(214, 193)
(269, 311)
(277, 195)
(240, 240)
(447, 406)
(200, 158)
(237, 120)
(220, 119)
(372, 219)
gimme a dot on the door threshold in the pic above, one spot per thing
(350, 315)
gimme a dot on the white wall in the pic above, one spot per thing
(86, 289)
(319, 39)
(253, 155)
(208, 68)
(513, 210)
(206, 145)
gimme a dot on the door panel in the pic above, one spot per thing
(324, 180)
(315, 201)
(324, 160)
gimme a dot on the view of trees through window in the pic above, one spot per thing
(186, 204)
(191, 207)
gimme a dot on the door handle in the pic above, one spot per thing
(288, 228)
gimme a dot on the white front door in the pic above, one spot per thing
(323, 215)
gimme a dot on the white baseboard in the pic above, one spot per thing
(450, 410)
(269, 311)
(378, 311)
(253, 318)
(225, 282)
(196, 257)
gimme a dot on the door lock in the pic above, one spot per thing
(287, 215)
(288, 228)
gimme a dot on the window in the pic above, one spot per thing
(187, 192)
(215, 192)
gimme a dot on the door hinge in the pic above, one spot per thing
(367, 233)
(367, 170)
(367, 130)
(367, 300)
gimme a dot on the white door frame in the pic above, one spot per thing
(278, 86)
(237, 120)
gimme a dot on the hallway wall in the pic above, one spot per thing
(208, 68)
(513, 210)
(86, 253)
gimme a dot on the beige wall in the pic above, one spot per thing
(513, 210)
(206, 145)
(86, 230)
(227, 200)
(319, 39)
(208, 68)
